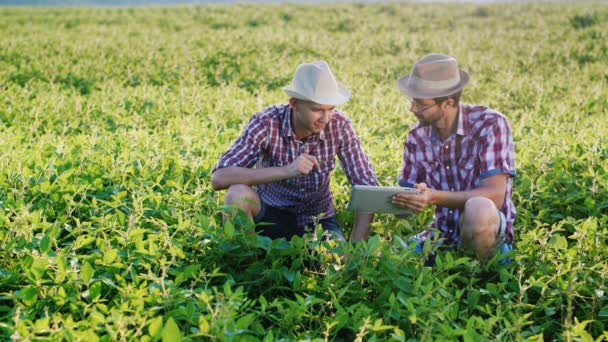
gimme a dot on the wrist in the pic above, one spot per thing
(433, 194)
(286, 172)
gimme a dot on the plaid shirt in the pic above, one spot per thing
(269, 141)
(481, 147)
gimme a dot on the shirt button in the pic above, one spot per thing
(452, 189)
(447, 167)
(451, 211)
(446, 146)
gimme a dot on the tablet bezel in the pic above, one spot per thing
(377, 199)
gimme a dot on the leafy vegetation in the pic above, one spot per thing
(111, 120)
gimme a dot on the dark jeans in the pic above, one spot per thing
(280, 223)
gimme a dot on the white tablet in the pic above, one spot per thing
(377, 199)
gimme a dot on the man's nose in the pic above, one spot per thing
(326, 116)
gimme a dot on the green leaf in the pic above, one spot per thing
(42, 325)
(45, 244)
(229, 229)
(86, 272)
(109, 256)
(191, 270)
(245, 321)
(38, 268)
(60, 272)
(372, 244)
(263, 302)
(287, 274)
(136, 234)
(155, 327)
(45, 187)
(172, 184)
(120, 216)
(82, 241)
(171, 332)
(95, 290)
(203, 325)
(269, 337)
(29, 295)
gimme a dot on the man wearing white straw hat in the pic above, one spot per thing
(293, 147)
(461, 157)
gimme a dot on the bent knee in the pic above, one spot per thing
(479, 204)
(243, 196)
(480, 218)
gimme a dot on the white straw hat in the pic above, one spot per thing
(315, 82)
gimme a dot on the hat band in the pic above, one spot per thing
(436, 85)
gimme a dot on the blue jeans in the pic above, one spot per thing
(282, 224)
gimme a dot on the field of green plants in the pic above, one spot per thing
(111, 120)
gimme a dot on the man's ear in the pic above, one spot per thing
(447, 104)
(293, 102)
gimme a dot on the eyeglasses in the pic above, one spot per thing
(417, 107)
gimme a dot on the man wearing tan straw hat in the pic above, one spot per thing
(461, 157)
(293, 147)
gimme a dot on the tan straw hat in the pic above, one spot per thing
(433, 75)
(314, 82)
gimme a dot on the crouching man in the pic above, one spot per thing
(461, 158)
(293, 147)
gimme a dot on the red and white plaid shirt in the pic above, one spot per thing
(268, 141)
(481, 147)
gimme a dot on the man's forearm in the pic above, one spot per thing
(362, 226)
(457, 199)
(225, 177)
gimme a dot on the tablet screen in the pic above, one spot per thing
(377, 199)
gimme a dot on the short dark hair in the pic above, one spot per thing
(455, 96)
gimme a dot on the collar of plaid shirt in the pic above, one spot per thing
(287, 130)
(462, 126)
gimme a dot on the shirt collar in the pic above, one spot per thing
(463, 121)
(462, 124)
(288, 132)
(286, 128)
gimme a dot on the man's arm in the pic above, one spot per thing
(223, 178)
(359, 171)
(355, 162)
(492, 187)
(362, 226)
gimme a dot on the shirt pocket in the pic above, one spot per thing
(466, 172)
(321, 173)
(431, 173)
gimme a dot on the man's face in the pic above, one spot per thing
(309, 117)
(426, 110)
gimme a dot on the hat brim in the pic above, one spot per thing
(410, 89)
(335, 99)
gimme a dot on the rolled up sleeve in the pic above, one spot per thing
(497, 154)
(247, 149)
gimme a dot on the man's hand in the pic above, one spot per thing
(416, 202)
(302, 165)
